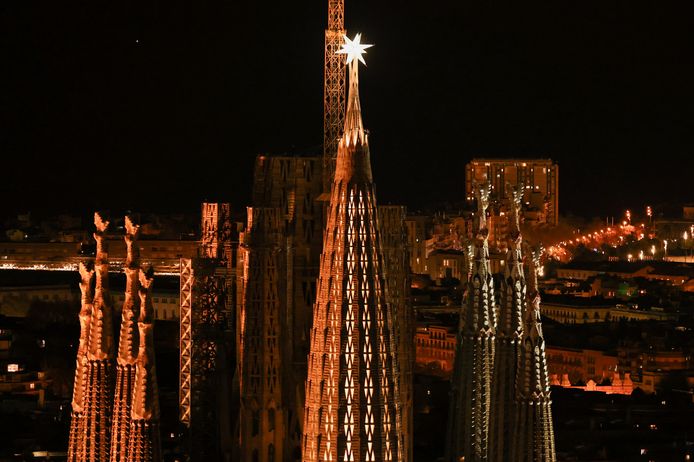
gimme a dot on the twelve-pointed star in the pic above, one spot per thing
(354, 49)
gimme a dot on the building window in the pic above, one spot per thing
(255, 428)
(271, 420)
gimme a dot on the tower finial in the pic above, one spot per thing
(354, 127)
(534, 268)
(482, 193)
(515, 198)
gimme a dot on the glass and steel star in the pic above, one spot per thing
(354, 49)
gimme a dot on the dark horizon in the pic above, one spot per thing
(603, 88)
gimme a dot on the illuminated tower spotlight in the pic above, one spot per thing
(509, 334)
(471, 387)
(128, 342)
(534, 430)
(352, 408)
(333, 89)
(262, 339)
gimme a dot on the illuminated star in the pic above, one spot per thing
(354, 49)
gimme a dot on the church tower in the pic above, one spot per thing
(78, 430)
(534, 426)
(471, 387)
(351, 410)
(98, 402)
(127, 347)
(144, 438)
(264, 368)
(115, 420)
(509, 335)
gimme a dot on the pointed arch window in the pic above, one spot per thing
(271, 420)
(255, 427)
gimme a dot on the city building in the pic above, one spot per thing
(573, 310)
(675, 273)
(540, 177)
(673, 228)
(47, 252)
(446, 264)
(616, 386)
(417, 235)
(627, 313)
(435, 348)
(17, 300)
(22, 384)
(653, 365)
(581, 365)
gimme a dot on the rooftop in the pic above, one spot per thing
(658, 267)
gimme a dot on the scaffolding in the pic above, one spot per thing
(186, 339)
(207, 338)
(334, 89)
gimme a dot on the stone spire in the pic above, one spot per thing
(264, 363)
(509, 334)
(396, 266)
(472, 380)
(76, 444)
(535, 430)
(100, 352)
(144, 440)
(135, 409)
(101, 343)
(351, 391)
(353, 133)
(127, 347)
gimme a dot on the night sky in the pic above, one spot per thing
(135, 103)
